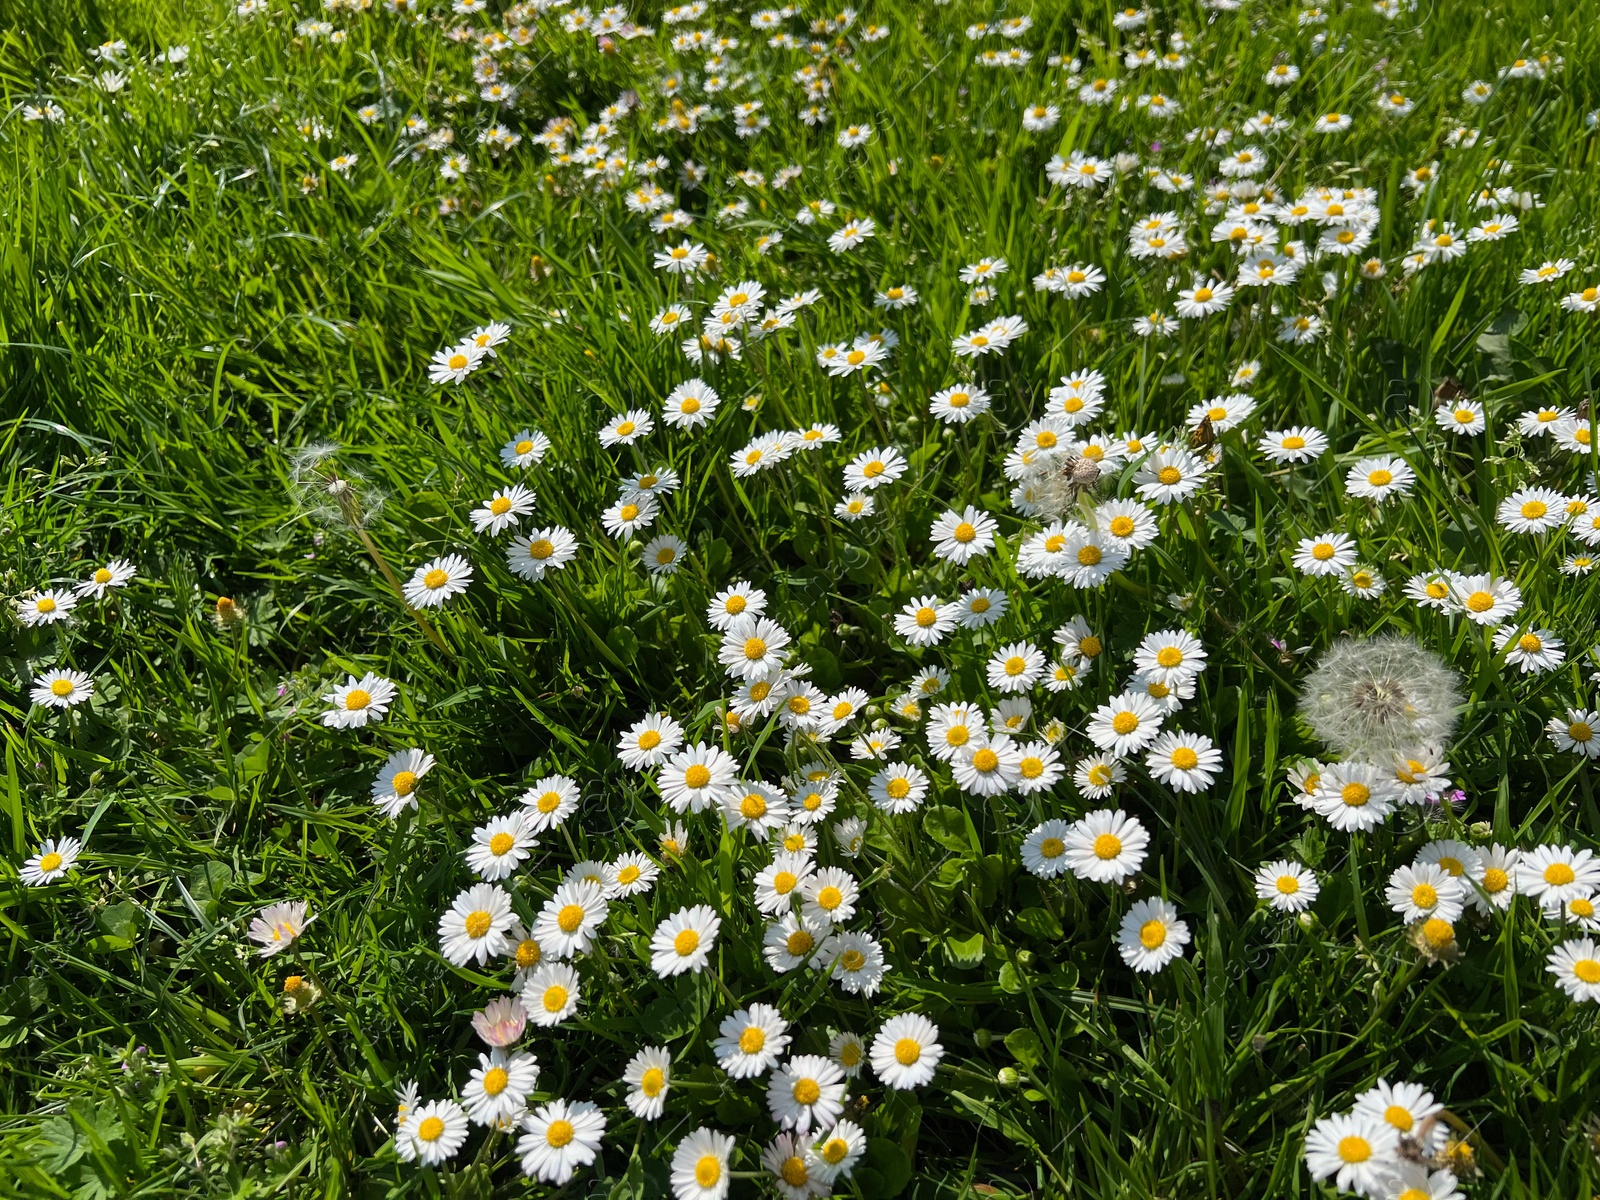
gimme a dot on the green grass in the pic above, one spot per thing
(178, 317)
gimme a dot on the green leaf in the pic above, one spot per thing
(1010, 981)
(1039, 923)
(891, 1164)
(1025, 1046)
(120, 923)
(965, 952)
(948, 827)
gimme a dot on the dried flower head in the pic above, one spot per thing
(1373, 698)
(328, 492)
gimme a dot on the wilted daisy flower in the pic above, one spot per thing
(357, 701)
(1151, 935)
(1377, 696)
(55, 857)
(1286, 886)
(63, 688)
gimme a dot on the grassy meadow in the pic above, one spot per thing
(216, 367)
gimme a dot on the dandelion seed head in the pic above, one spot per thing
(1370, 698)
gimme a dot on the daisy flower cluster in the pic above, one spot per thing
(977, 577)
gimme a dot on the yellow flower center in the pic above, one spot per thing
(628, 512)
(61, 687)
(1089, 556)
(570, 917)
(794, 1172)
(697, 776)
(1587, 969)
(549, 802)
(783, 882)
(1580, 731)
(652, 1081)
(1558, 874)
(965, 532)
(1107, 846)
(435, 579)
(499, 506)
(1480, 602)
(102, 576)
(458, 361)
(752, 1040)
(1124, 723)
(1152, 934)
(686, 943)
(1185, 759)
(50, 862)
(626, 428)
(799, 943)
(523, 447)
(755, 649)
(873, 469)
(1529, 644)
(430, 1130)
(1355, 794)
(1424, 895)
(1016, 665)
(1052, 847)
(1294, 442)
(1201, 296)
(898, 788)
(495, 1080)
(478, 923)
(528, 953)
(956, 735)
(830, 898)
(985, 760)
(1032, 767)
(501, 844)
(1380, 478)
(1055, 543)
(1355, 1149)
(1169, 475)
(1099, 775)
(807, 1091)
(555, 998)
(907, 1051)
(1581, 907)
(559, 1133)
(1438, 932)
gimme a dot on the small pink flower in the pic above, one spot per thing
(501, 1022)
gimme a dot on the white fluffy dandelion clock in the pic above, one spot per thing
(1375, 697)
